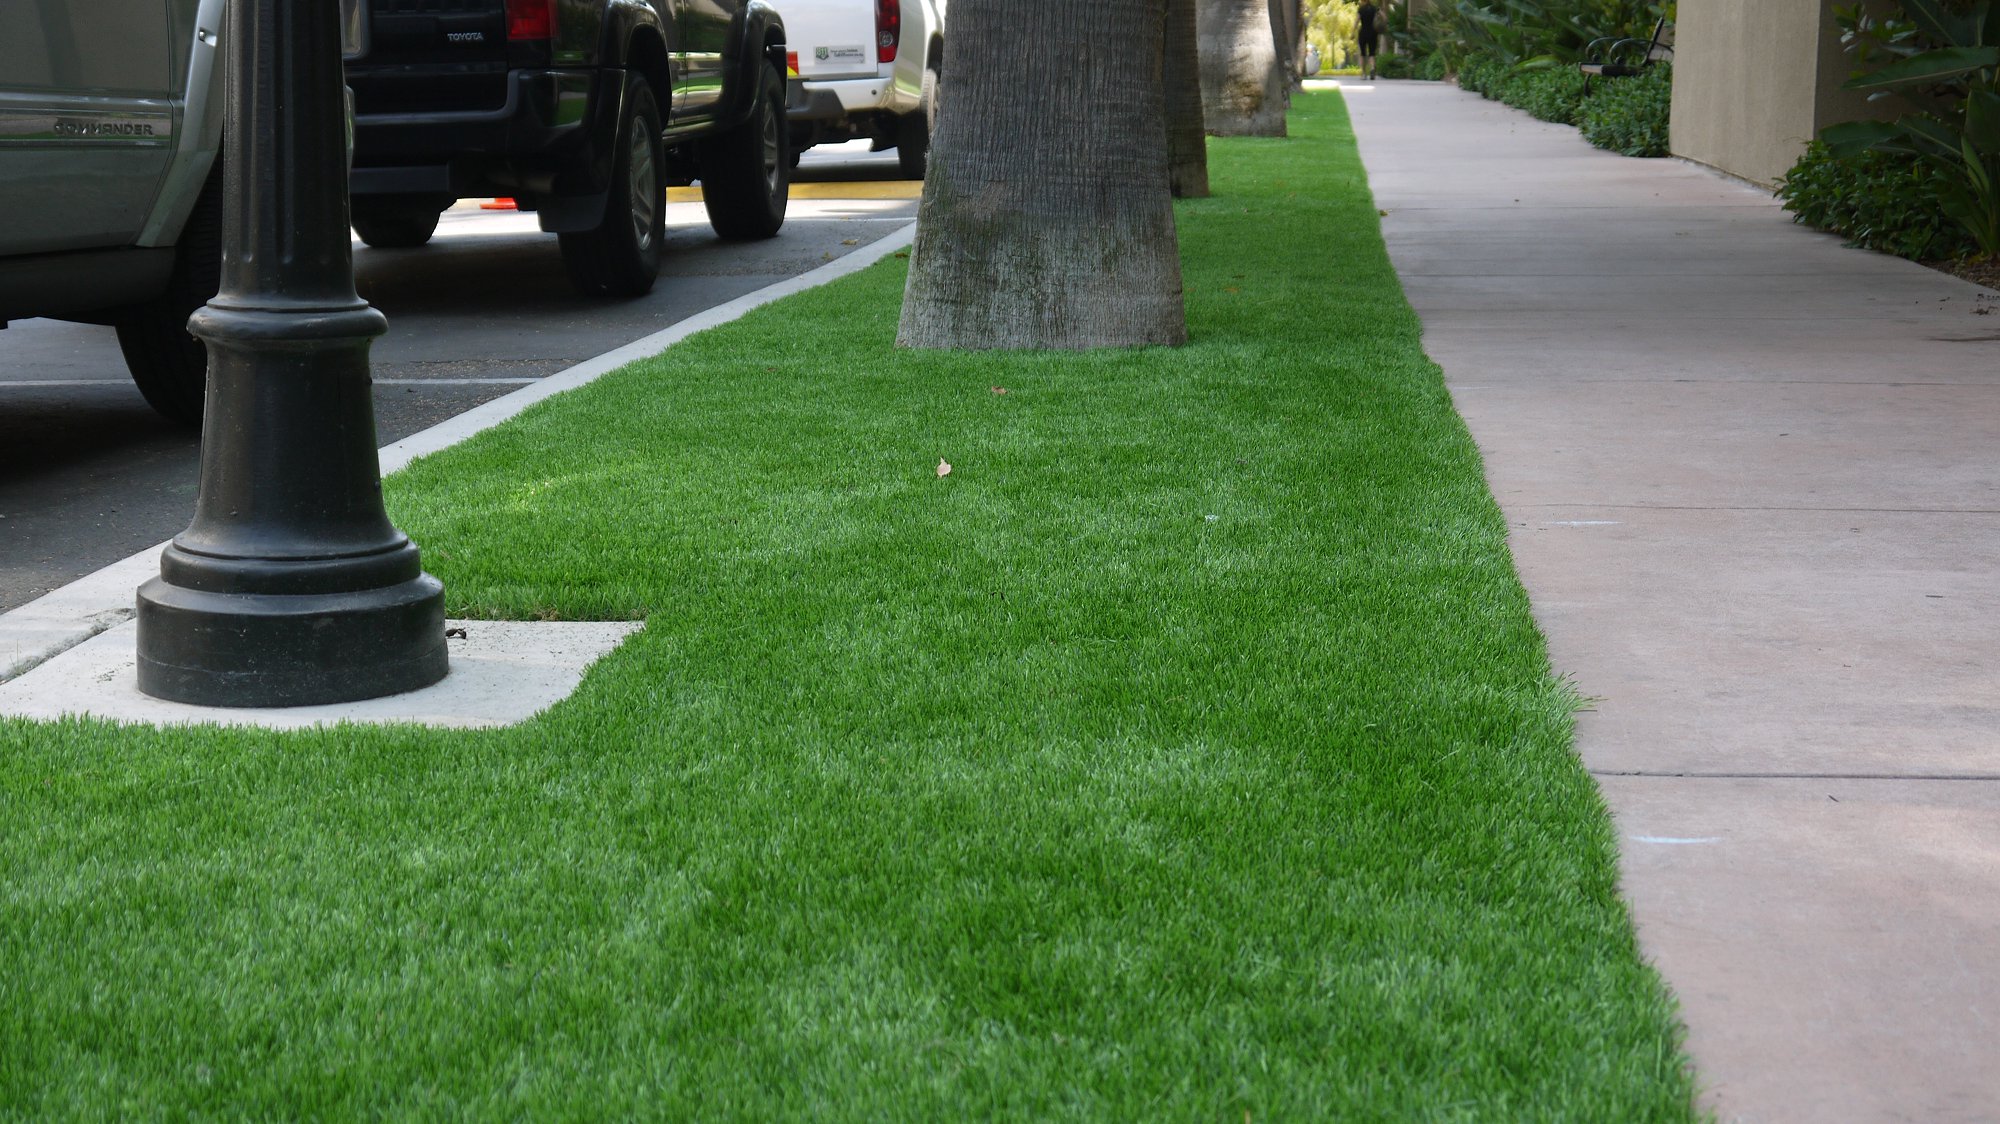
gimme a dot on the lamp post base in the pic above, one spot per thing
(291, 587)
(289, 649)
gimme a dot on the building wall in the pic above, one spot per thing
(1754, 81)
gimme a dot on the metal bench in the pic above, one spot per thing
(1612, 57)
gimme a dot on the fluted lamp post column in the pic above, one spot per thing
(291, 587)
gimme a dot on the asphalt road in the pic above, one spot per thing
(89, 474)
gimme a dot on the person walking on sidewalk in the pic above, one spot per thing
(1368, 31)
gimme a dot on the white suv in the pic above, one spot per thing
(866, 69)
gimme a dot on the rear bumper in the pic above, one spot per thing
(813, 100)
(553, 135)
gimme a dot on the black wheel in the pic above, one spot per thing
(621, 258)
(395, 222)
(169, 365)
(746, 173)
(913, 131)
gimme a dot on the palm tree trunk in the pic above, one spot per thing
(1046, 220)
(1244, 87)
(1285, 24)
(1187, 137)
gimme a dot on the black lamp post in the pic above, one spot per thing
(291, 587)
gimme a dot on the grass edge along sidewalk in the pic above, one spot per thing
(1187, 752)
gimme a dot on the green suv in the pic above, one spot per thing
(582, 110)
(110, 131)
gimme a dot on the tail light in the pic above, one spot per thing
(531, 19)
(888, 29)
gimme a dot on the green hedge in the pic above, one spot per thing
(1880, 200)
(1554, 94)
(1625, 115)
(1393, 66)
(1482, 75)
(1629, 115)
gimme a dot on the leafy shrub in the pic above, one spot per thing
(1392, 66)
(1523, 52)
(1413, 35)
(1552, 94)
(1884, 201)
(1629, 115)
(1525, 31)
(1482, 74)
(1944, 60)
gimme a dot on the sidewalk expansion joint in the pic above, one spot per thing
(1764, 507)
(1540, 384)
(1728, 776)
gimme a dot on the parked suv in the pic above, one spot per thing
(868, 70)
(581, 111)
(110, 184)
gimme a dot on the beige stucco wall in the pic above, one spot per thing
(1754, 80)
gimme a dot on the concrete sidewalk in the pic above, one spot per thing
(1753, 479)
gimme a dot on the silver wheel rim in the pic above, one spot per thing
(645, 193)
(772, 151)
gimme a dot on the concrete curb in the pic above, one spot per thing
(64, 618)
(502, 673)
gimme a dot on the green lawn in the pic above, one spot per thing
(1187, 753)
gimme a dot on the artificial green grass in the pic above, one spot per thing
(1187, 753)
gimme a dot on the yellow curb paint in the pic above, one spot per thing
(879, 189)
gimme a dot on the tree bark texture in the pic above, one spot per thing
(1187, 137)
(1285, 21)
(1299, 26)
(1046, 220)
(1244, 87)
(1300, 45)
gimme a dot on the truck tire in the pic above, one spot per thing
(621, 258)
(168, 364)
(394, 222)
(746, 173)
(913, 131)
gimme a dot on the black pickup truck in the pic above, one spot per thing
(582, 111)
